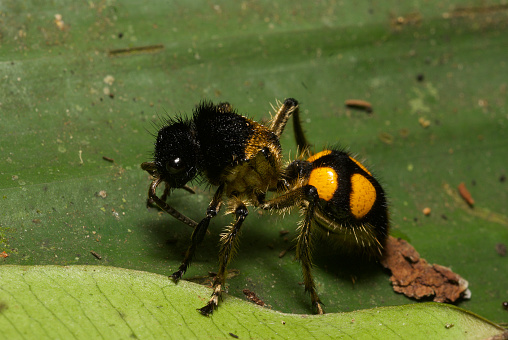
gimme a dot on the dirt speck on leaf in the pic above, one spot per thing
(465, 194)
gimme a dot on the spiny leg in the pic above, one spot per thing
(289, 199)
(199, 233)
(278, 123)
(307, 196)
(304, 254)
(229, 241)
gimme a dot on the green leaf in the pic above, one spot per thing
(66, 101)
(104, 302)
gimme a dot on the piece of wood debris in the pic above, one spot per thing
(359, 104)
(251, 296)
(414, 277)
(465, 194)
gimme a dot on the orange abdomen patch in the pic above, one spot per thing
(362, 197)
(326, 182)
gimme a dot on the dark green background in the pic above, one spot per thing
(54, 107)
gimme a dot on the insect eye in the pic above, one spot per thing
(175, 166)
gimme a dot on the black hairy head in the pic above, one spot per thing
(176, 152)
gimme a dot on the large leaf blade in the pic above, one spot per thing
(96, 301)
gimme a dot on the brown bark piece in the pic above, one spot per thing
(414, 277)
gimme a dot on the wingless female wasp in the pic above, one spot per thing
(338, 196)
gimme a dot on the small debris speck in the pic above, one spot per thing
(386, 138)
(108, 159)
(109, 79)
(501, 249)
(466, 195)
(425, 123)
(59, 22)
(359, 104)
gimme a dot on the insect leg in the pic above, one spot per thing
(287, 200)
(161, 202)
(278, 122)
(166, 192)
(301, 141)
(306, 196)
(188, 189)
(229, 241)
(152, 194)
(199, 233)
(149, 167)
(304, 251)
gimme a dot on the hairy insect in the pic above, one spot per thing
(339, 197)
